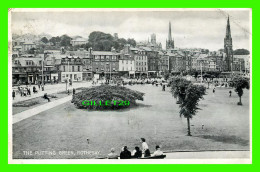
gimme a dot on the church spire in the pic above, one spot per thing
(228, 31)
(170, 41)
(228, 50)
(170, 32)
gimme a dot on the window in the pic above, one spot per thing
(97, 69)
(97, 57)
(107, 58)
(78, 68)
(123, 68)
(75, 76)
(102, 58)
(63, 68)
(114, 58)
(144, 63)
(72, 68)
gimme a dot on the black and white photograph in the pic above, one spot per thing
(129, 86)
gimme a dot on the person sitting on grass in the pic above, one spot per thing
(112, 154)
(137, 153)
(46, 97)
(158, 152)
(125, 154)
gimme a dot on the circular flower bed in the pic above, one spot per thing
(106, 97)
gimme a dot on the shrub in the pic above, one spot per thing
(105, 93)
(25, 103)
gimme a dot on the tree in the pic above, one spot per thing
(178, 86)
(166, 75)
(239, 84)
(45, 40)
(31, 51)
(65, 40)
(189, 104)
(241, 52)
(100, 41)
(55, 40)
(131, 42)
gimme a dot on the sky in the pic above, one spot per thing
(190, 29)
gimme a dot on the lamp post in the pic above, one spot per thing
(240, 69)
(42, 68)
(110, 70)
(200, 72)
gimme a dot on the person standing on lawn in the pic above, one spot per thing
(145, 148)
(13, 94)
(34, 89)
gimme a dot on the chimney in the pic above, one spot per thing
(113, 49)
(127, 49)
(90, 50)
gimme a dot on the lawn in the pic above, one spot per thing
(66, 128)
(38, 100)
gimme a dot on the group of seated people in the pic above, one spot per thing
(136, 153)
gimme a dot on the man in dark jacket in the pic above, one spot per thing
(125, 154)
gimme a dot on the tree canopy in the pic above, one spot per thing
(240, 83)
(65, 40)
(55, 40)
(100, 41)
(241, 52)
(45, 40)
(189, 105)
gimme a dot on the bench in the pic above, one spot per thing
(150, 157)
(155, 157)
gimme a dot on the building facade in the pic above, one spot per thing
(70, 68)
(105, 63)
